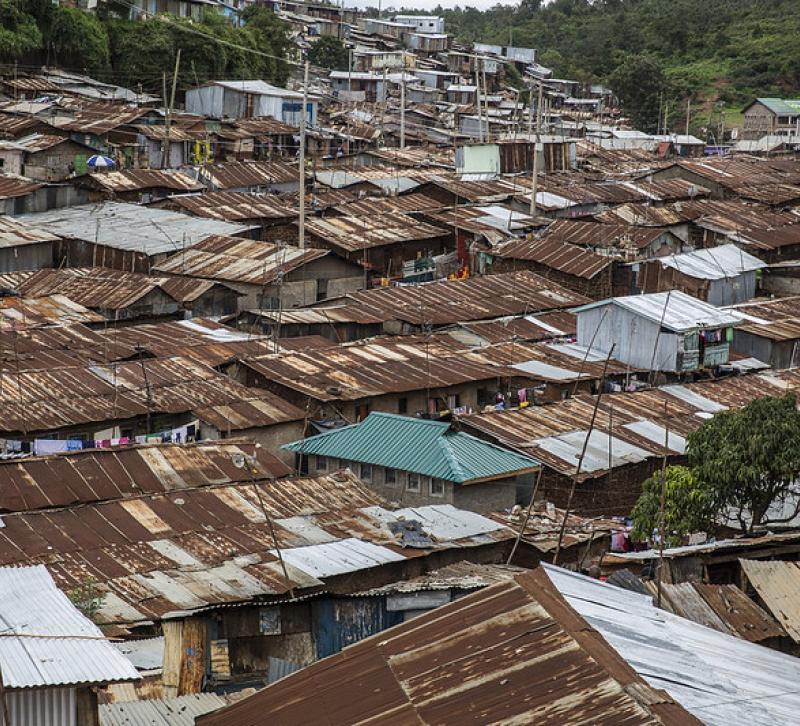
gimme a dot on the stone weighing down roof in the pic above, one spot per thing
(429, 448)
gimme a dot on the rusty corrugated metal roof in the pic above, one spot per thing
(352, 234)
(234, 259)
(562, 256)
(778, 585)
(40, 310)
(476, 298)
(514, 652)
(137, 179)
(13, 186)
(96, 475)
(236, 174)
(234, 206)
(48, 400)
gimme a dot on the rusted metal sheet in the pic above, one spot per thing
(48, 400)
(352, 234)
(99, 119)
(405, 203)
(234, 206)
(129, 180)
(594, 235)
(477, 298)
(38, 311)
(559, 255)
(684, 407)
(739, 613)
(773, 319)
(239, 174)
(234, 259)
(354, 371)
(490, 657)
(12, 187)
(778, 585)
(107, 474)
(14, 233)
(176, 548)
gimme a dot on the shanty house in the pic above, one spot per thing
(267, 276)
(769, 331)
(48, 158)
(249, 99)
(53, 658)
(664, 331)
(24, 246)
(417, 461)
(723, 275)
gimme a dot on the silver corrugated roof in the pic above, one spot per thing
(46, 641)
(179, 711)
(714, 263)
(131, 227)
(719, 678)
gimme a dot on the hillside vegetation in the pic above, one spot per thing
(714, 51)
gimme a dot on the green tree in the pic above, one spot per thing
(750, 459)
(640, 84)
(688, 507)
(329, 52)
(78, 39)
(19, 33)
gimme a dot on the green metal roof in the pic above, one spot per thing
(781, 106)
(429, 448)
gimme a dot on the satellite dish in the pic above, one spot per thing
(238, 460)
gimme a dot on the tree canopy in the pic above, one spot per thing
(329, 52)
(743, 465)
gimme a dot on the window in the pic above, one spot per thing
(413, 482)
(322, 463)
(390, 476)
(366, 472)
(402, 405)
(437, 488)
(453, 401)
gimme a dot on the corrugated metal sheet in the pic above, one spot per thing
(12, 187)
(44, 400)
(235, 206)
(352, 234)
(180, 711)
(429, 448)
(674, 310)
(42, 310)
(47, 641)
(14, 233)
(106, 474)
(562, 256)
(353, 371)
(128, 180)
(130, 226)
(233, 259)
(595, 235)
(476, 298)
(778, 585)
(42, 707)
(511, 653)
(713, 263)
(162, 553)
(720, 679)
(146, 654)
(244, 174)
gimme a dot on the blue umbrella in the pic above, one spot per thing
(99, 162)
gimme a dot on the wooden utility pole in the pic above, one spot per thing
(478, 99)
(168, 121)
(301, 237)
(661, 507)
(403, 109)
(688, 113)
(486, 101)
(580, 460)
(535, 178)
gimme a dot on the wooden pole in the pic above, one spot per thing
(165, 157)
(403, 109)
(661, 507)
(580, 460)
(535, 178)
(527, 516)
(301, 235)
